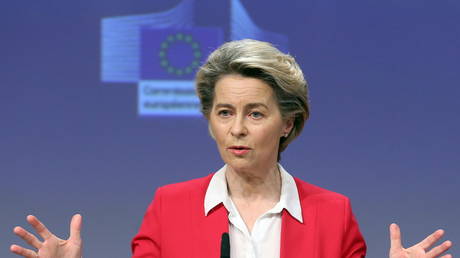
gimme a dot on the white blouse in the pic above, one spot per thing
(264, 240)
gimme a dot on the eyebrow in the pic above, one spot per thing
(248, 106)
(256, 105)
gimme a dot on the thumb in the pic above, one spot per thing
(75, 228)
(395, 237)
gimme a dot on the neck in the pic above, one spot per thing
(254, 185)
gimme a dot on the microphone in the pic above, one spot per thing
(225, 246)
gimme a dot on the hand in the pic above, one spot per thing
(52, 246)
(419, 250)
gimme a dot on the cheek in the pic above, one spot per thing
(268, 136)
(219, 133)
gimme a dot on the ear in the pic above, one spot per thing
(288, 125)
(210, 131)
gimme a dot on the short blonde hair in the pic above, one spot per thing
(260, 60)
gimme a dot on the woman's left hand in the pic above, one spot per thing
(420, 250)
(51, 246)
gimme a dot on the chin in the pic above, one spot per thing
(239, 164)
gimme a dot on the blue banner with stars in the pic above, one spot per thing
(176, 54)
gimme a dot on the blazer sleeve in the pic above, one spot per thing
(147, 242)
(354, 245)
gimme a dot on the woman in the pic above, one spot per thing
(256, 101)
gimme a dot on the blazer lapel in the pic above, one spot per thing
(297, 239)
(208, 230)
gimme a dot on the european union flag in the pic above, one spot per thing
(176, 54)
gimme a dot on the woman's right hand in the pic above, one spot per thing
(51, 246)
(420, 250)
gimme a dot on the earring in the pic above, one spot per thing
(286, 135)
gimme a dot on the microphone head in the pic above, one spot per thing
(225, 246)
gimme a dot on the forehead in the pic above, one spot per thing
(237, 89)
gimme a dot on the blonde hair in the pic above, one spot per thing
(260, 60)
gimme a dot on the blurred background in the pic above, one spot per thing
(76, 134)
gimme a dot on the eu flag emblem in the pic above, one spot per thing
(176, 54)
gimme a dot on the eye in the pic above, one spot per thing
(256, 115)
(224, 113)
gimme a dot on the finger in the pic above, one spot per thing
(446, 256)
(23, 251)
(28, 237)
(431, 239)
(39, 227)
(439, 249)
(395, 236)
(75, 227)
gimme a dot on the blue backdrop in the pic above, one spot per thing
(384, 130)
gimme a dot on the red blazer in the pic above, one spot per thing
(175, 225)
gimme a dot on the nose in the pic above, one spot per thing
(238, 128)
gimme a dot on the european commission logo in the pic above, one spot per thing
(161, 52)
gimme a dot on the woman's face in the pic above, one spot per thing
(246, 122)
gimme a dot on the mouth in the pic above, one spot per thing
(239, 150)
